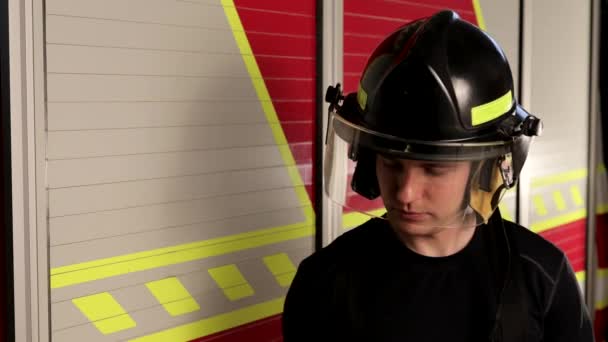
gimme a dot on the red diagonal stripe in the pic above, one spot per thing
(282, 38)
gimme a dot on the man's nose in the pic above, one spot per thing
(409, 186)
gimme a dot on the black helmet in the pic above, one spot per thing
(437, 89)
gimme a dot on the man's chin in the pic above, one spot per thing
(409, 227)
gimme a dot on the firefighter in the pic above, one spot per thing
(434, 132)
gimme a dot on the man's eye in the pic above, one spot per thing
(391, 164)
(435, 170)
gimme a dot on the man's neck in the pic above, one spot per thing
(442, 243)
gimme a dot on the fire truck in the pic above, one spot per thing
(161, 160)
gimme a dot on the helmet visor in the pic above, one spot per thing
(417, 184)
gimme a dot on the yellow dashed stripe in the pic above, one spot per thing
(105, 313)
(173, 296)
(208, 326)
(239, 291)
(281, 267)
(539, 205)
(110, 267)
(577, 198)
(577, 213)
(559, 201)
(231, 281)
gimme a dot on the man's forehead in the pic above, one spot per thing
(444, 163)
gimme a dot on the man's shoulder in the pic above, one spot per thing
(537, 251)
(349, 246)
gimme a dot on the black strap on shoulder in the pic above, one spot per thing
(511, 315)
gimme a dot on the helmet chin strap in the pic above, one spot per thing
(498, 195)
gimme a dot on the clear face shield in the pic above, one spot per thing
(413, 183)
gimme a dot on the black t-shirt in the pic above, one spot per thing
(367, 286)
(411, 297)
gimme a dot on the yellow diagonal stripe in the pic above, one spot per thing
(174, 297)
(559, 201)
(231, 281)
(539, 205)
(354, 219)
(294, 173)
(479, 15)
(269, 111)
(577, 198)
(105, 312)
(208, 326)
(250, 62)
(281, 267)
(110, 267)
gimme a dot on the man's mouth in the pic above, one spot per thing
(409, 215)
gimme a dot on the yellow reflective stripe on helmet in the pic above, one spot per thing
(491, 110)
(361, 97)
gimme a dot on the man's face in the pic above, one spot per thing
(422, 197)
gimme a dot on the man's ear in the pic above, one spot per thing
(365, 181)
